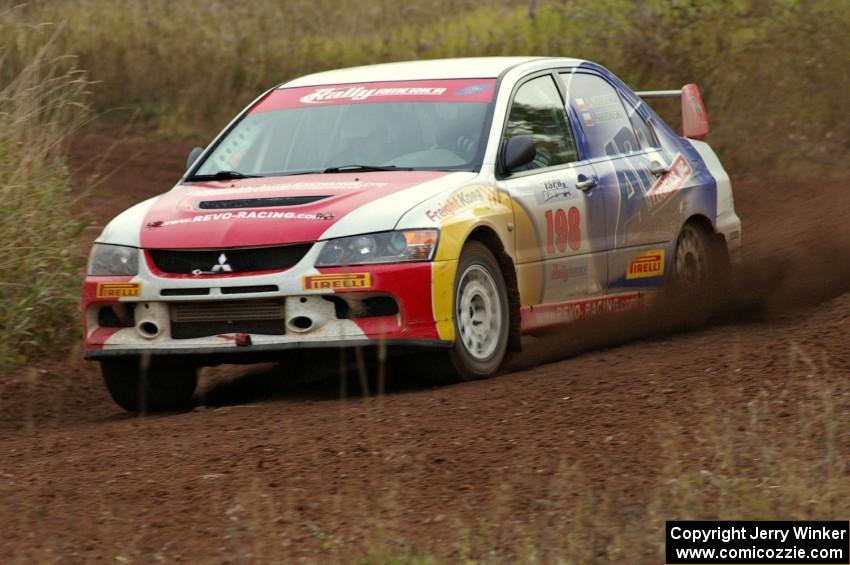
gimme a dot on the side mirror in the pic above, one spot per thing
(518, 151)
(193, 156)
(694, 116)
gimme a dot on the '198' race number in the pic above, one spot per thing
(563, 228)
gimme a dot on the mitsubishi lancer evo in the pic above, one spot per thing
(451, 204)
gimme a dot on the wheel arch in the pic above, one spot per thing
(490, 239)
(708, 227)
(718, 248)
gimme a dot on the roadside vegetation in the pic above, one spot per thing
(771, 72)
(40, 103)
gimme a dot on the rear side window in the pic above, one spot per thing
(538, 111)
(645, 134)
(600, 111)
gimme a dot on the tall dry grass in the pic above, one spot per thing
(773, 73)
(40, 103)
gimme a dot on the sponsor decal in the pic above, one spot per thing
(462, 199)
(647, 264)
(599, 109)
(670, 183)
(360, 93)
(607, 116)
(472, 90)
(338, 281)
(253, 215)
(118, 290)
(555, 188)
(563, 273)
(430, 90)
(604, 100)
(568, 312)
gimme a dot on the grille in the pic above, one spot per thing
(247, 289)
(259, 202)
(224, 261)
(201, 319)
(184, 291)
(238, 310)
(189, 330)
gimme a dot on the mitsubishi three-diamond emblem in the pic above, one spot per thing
(222, 266)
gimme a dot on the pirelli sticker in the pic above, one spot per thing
(118, 290)
(338, 281)
(647, 264)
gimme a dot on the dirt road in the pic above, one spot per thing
(271, 467)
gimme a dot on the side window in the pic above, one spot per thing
(537, 111)
(600, 111)
(645, 134)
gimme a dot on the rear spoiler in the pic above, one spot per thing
(694, 115)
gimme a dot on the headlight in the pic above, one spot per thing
(113, 260)
(384, 247)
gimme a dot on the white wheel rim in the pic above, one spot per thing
(479, 312)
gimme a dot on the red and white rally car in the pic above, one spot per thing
(452, 204)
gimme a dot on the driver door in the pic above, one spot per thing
(559, 214)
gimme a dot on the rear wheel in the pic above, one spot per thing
(697, 278)
(154, 388)
(481, 314)
(692, 263)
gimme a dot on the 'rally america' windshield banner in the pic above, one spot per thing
(457, 90)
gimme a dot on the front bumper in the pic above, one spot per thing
(253, 353)
(143, 316)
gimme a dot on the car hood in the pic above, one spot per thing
(282, 210)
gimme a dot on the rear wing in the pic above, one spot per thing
(694, 115)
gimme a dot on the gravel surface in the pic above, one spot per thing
(289, 462)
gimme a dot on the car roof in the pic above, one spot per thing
(436, 69)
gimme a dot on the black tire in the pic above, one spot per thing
(158, 387)
(696, 276)
(478, 353)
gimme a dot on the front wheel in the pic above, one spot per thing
(153, 387)
(481, 314)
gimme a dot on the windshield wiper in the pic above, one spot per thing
(365, 168)
(222, 175)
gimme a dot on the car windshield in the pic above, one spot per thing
(407, 125)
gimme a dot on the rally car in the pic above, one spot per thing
(451, 204)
